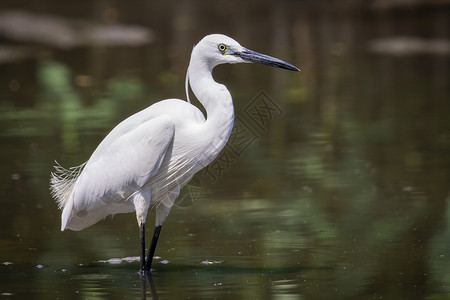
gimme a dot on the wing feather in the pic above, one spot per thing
(119, 166)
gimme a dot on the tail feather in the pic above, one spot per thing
(62, 182)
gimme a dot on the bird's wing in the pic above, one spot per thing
(123, 164)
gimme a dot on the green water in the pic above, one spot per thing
(334, 185)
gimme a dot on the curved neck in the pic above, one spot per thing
(214, 97)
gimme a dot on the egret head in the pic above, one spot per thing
(216, 49)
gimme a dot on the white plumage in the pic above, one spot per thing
(148, 157)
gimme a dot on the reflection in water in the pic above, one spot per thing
(147, 279)
(343, 196)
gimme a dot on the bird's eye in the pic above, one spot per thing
(222, 48)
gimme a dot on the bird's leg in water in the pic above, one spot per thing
(151, 252)
(142, 238)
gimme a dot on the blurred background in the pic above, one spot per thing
(338, 189)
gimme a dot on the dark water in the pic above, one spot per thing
(335, 182)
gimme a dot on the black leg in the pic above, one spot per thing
(151, 252)
(142, 238)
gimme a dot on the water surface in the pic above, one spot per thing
(334, 184)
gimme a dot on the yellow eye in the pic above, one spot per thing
(222, 48)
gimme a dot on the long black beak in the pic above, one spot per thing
(255, 57)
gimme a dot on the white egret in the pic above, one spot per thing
(145, 160)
